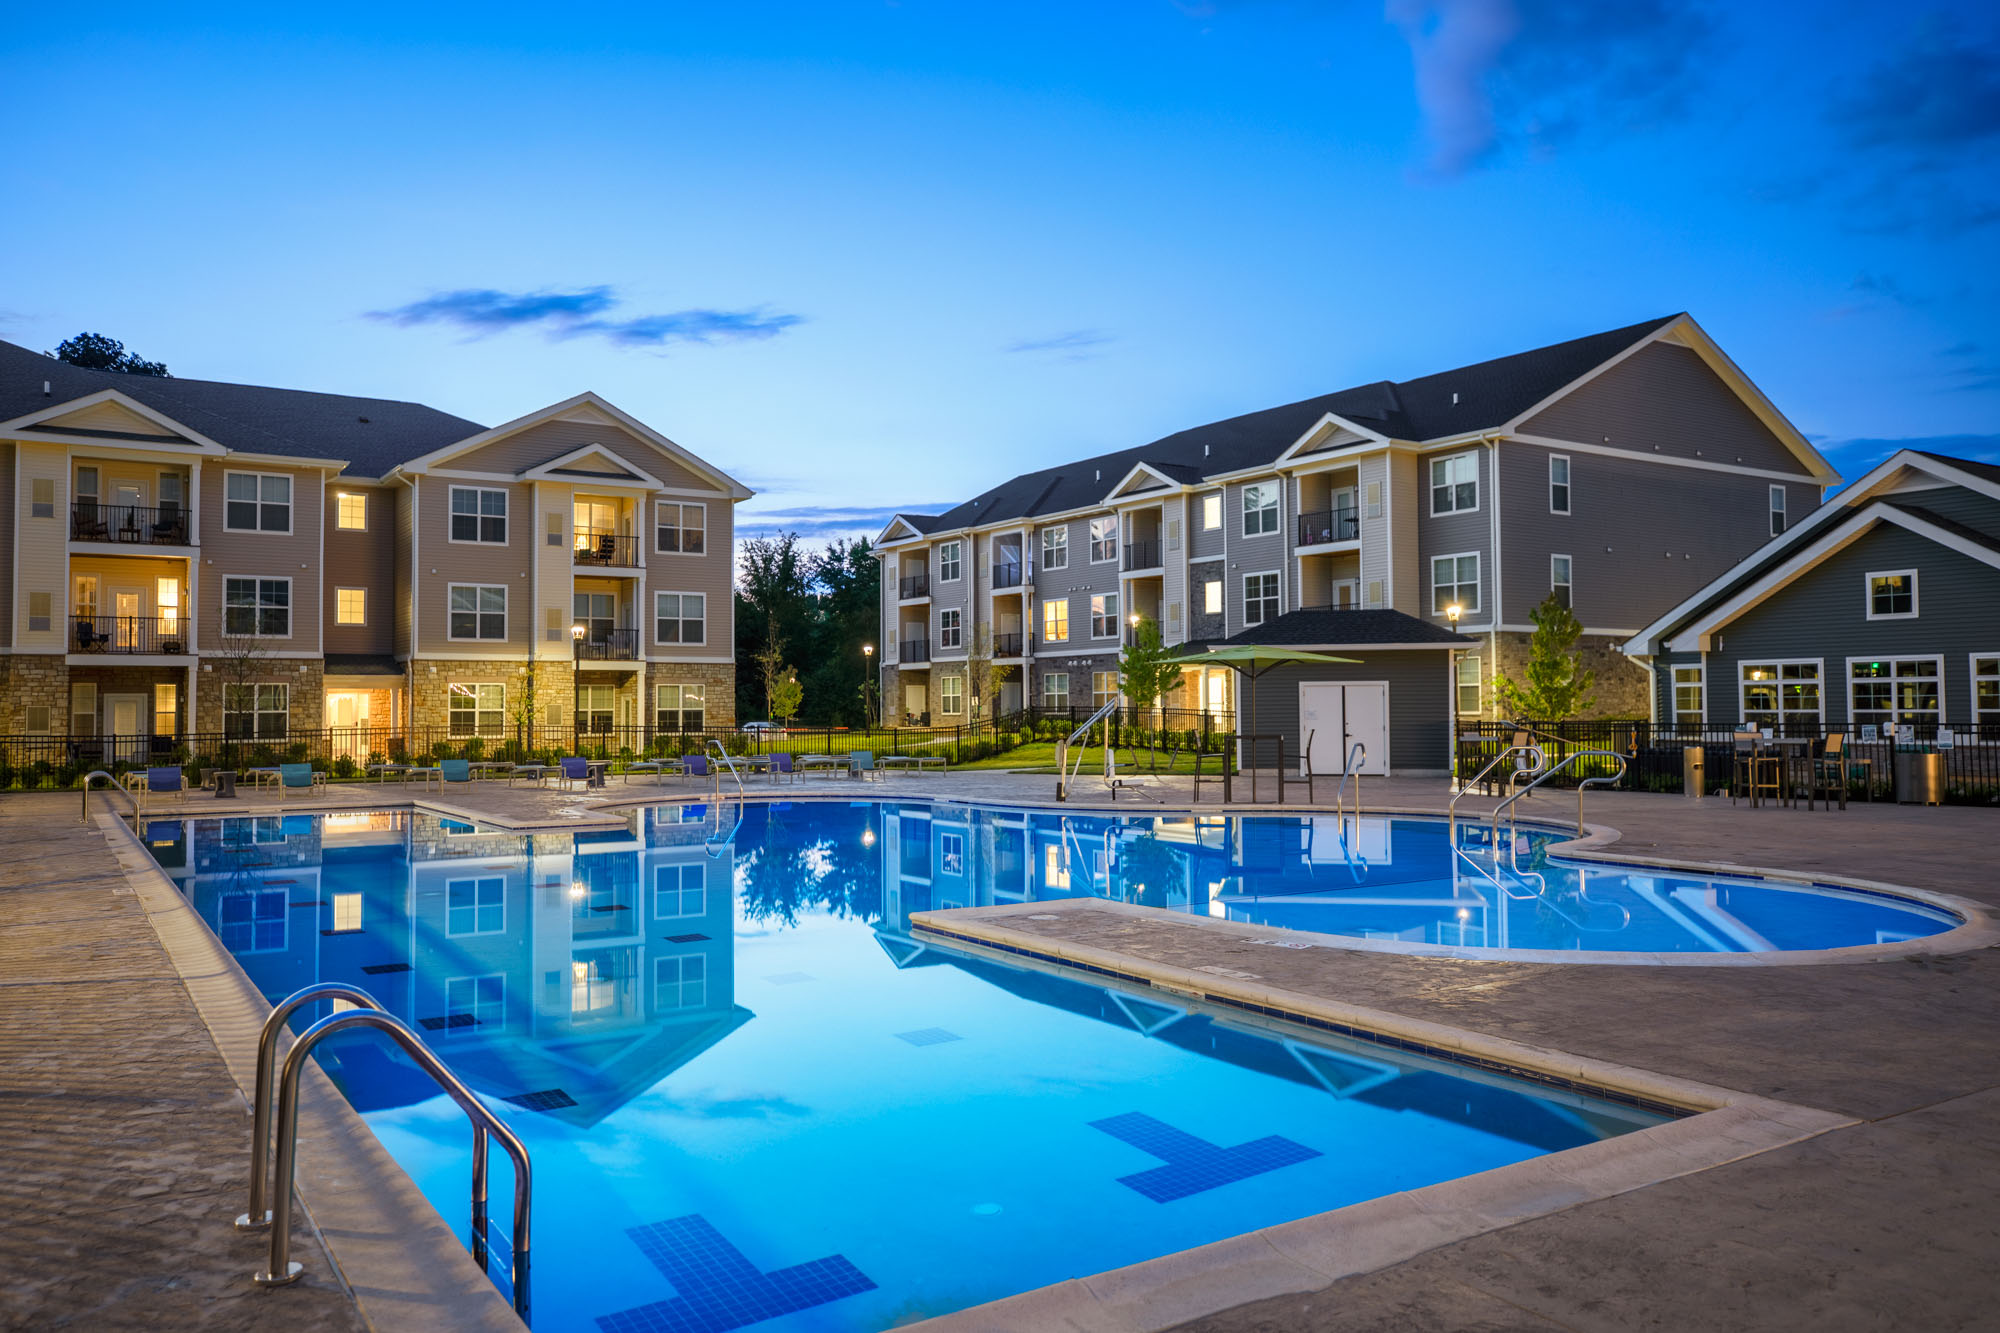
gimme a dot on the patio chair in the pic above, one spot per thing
(1830, 771)
(694, 766)
(171, 529)
(89, 639)
(1755, 774)
(781, 766)
(299, 778)
(573, 772)
(862, 765)
(455, 770)
(164, 782)
(87, 524)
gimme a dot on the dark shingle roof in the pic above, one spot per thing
(1990, 540)
(363, 664)
(1489, 393)
(372, 434)
(1305, 628)
(1990, 471)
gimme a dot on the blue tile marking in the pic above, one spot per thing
(1192, 1164)
(719, 1288)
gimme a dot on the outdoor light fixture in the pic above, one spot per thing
(1453, 612)
(868, 837)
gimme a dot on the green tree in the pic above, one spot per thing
(1557, 685)
(1147, 671)
(774, 607)
(982, 677)
(822, 607)
(786, 694)
(94, 351)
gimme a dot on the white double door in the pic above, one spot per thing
(1333, 716)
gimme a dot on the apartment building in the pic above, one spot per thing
(1620, 472)
(185, 556)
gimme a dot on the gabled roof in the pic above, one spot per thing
(902, 527)
(1348, 629)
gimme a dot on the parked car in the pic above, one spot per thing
(763, 729)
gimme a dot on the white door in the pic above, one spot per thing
(1367, 709)
(1334, 716)
(126, 720)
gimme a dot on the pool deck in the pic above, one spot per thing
(1889, 1219)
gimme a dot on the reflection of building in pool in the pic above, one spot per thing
(580, 967)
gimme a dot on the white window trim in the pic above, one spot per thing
(291, 606)
(499, 685)
(945, 696)
(958, 629)
(1067, 696)
(506, 519)
(1117, 619)
(1044, 628)
(339, 496)
(349, 624)
(1202, 500)
(506, 611)
(1895, 713)
(1569, 583)
(1778, 501)
(1972, 679)
(1117, 533)
(291, 505)
(1568, 483)
(1478, 579)
(1277, 507)
(1258, 574)
(1700, 670)
(1742, 697)
(1043, 542)
(659, 642)
(1431, 486)
(680, 525)
(1868, 591)
(475, 881)
(959, 563)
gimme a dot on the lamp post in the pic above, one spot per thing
(576, 633)
(1451, 615)
(868, 685)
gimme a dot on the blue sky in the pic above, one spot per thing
(871, 256)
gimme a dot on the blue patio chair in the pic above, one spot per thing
(165, 782)
(781, 766)
(695, 765)
(862, 764)
(574, 771)
(455, 770)
(299, 778)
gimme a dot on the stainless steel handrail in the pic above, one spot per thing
(728, 762)
(1507, 805)
(259, 1215)
(282, 1269)
(1346, 768)
(115, 781)
(1064, 774)
(1451, 811)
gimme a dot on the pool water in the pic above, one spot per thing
(754, 1100)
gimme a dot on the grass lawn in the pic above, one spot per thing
(1040, 757)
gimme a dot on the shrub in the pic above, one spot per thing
(343, 767)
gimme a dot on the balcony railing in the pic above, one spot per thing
(608, 645)
(1007, 575)
(915, 650)
(593, 546)
(128, 525)
(914, 585)
(164, 636)
(1142, 555)
(1007, 645)
(1329, 525)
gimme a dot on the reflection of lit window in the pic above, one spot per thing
(347, 821)
(1055, 866)
(593, 984)
(680, 981)
(483, 998)
(347, 911)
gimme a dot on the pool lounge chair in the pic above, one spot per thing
(299, 778)
(659, 768)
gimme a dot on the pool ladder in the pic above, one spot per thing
(273, 1209)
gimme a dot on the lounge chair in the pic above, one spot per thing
(695, 766)
(861, 764)
(298, 778)
(574, 771)
(455, 770)
(165, 782)
(659, 768)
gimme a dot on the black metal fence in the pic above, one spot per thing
(128, 525)
(166, 635)
(1656, 756)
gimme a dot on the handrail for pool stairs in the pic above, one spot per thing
(728, 762)
(115, 781)
(718, 842)
(1347, 768)
(1506, 806)
(282, 1269)
(1540, 761)
(1066, 773)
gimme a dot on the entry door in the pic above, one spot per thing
(1336, 715)
(916, 700)
(125, 718)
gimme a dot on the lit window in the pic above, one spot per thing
(1211, 511)
(1103, 688)
(1055, 620)
(1780, 694)
(1469, 679)
(350, 606)
(1894, 691)
(351, 511)
(347, 911)
(1892, 596)
(1688, 706)
(1986, 695)
(1055, 866)
(1211, 597)
(1455, 484)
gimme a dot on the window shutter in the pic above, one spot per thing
(1374, 592)
(1374, 510)
(1173, 534)
(555, 529)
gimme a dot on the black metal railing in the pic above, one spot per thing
(594, 546)
(1142, 555)
(608, 645)
(1007, 575)
(129, 634)
(1007, 645)
(1341, 524)
(915, 650)
(128, 525)
(914, 585)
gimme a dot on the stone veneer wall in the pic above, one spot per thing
(307, 679)
(431, 680)
(28, 680)
(1621, 689)
(718, 680)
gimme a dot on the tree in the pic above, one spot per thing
(774, 605)
(1557, 685)
(786, 695)
(820, 608)
(526, 710)
(771, 669)
(1146, 669)
(94, 351)
(239, 661)
(982, 677)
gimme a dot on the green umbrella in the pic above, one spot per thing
(1251, 660)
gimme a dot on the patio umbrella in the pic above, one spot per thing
(1250, 660)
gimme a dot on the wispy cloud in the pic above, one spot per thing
(829, 520)
(1490, 73)
(583, 312)
(1855, 456)
(1076, 345)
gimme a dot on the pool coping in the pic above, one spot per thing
(392, 1252)
(1314, 1252)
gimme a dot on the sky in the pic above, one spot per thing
(879, 256)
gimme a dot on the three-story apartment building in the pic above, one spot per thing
(1619, 472)
(184, 556)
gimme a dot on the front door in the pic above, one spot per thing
(130, 730)
(915, 701)
(1333, 717)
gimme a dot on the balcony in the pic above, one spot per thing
(914, 586)
(1008, 645)
(608, 645)
(1142, 555)
(1007, 576)
(152, 635)
(915, 650)
(605, 550)
(1329, 525)
(128, 525)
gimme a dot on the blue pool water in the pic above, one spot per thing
(753, 1100)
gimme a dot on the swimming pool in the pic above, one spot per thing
(753, 1099)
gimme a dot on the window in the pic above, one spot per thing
(37, 719)
(1260, 598)
(1211, 597)
(681, 528)
(951, 695)
(679, 891)
(680, 617)
(1055, 865)
(42, 493)
(39, 612)
(1260, 509)
(594, 707)
(252, 922)
(1986, 694)
(475, 906)
(1893, 595)
(597, 612)
(1778, 694)
(1211, 511)
(167, 601)
(478, 515)
(1689, 706)
(1777, 510)
(166, 709)
(1558, 483)
(256, 712)
(1559, 578)
(1103, 540)
(83, 708)
(951, 853)
(481, 999)
(1055, 689)
(350, 606)
(1891, 691)
(346, 911)
(257, 608)
(83, 602)
(478, 611)
(1469, 680)
(948, 562)
(1454, 582)
(1104, 615)
(1055, 548)
(950, 627)
(350, 511)
(678, 708)
(1455, 484)
(477, 710)
(257, 502)
(1103, 688)
(1055, 620)
(680, 981)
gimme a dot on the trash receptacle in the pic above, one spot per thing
(1694, 772)
(225, 784)
(1919, 777)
